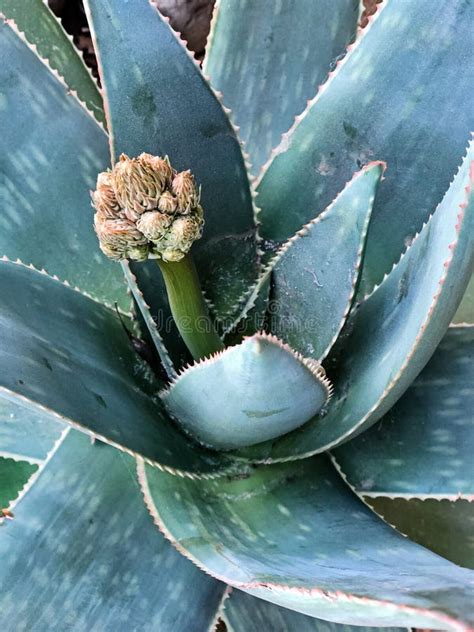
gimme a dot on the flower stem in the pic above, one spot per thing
(188, 307)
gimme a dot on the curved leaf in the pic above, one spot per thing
(26, 435)
(294, 534)
(392, 335)
(391, 98)
(81, 550)
(246, 394)
(424, 445)
(157, 101)
(269, 57)
(52, 149)
(67, 356)
(414, 468)
(244, 613)
(42, 29)
(314, 279)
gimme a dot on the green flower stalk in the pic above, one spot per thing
(147, 210)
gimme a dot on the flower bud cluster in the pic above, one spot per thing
(145, 209)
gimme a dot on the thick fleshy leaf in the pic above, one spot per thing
(295, 534)
(249, 393)
(26, 435)
(81, 550)
(13, 477)
(442, 525)
(392, 98)
(314, 279)
(424, 445)
(465, 313)
(42, 29)
(244, 613)
(394, 332)
(269, 57)
(415, 466)
(68, 356)
(157, 101)
(52, 149)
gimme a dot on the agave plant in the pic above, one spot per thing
(265, 369)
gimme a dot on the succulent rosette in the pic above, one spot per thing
(272, 349)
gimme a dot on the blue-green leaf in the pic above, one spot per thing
(157, 101)
(295, 534)
(81, 550)
(424, 445)
(269, 57)
(43, 29)
(253, 392)
(315, 276)
(24, 434)
(392, 335)
(415, 466)
(66, 355)
(52, 149)
(244, 613)
(401, 95)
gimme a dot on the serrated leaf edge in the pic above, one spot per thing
(362, 494)
(150, 323)
(41, 467)
(85, 67)
(74, 288)
(220, 612)
(268, 268)
(418, 233)
(286, 138)
(26, 401)
(332, 596)
(33, 48)
(212, 31)
(393, 382)
(313, 366)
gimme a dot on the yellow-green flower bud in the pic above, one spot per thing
(146, 209)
